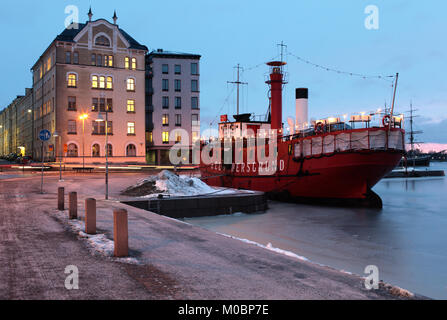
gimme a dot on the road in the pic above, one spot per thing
(179, 261)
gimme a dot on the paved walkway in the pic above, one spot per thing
(180, 261)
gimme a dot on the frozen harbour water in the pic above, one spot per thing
(407, 240)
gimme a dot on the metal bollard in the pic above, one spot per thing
(73, 205)
(61, 198)
(90, 216)
(120, 233)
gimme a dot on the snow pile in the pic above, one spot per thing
(170, 184)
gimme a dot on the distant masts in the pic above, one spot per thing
(237, 83)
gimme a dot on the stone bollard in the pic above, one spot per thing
(61, 198)
(73, 205)
(90, 216)
(120, 233)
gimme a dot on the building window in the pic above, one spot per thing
(178, 120)
(109, 106)
(194, 69)
(95, 104)
(131, 128)
(72, 150)
(99, 128)
(195, 136)
(165, 136)
(131, 150)
(126, 63)
(71, 128)
(165, 120)
(130, 106)
(178, 69)
(72, 80)
(71, 103)
(165, 85)
(94, 82)
(68, 57)
(108, 61)
(194, 86)
(195, 120)
(178, 85)
(109, 150)
(76, 58)
(134, 63)
(95, 150)
(194, 103)
(165, 69)
(165, 102)
(131, 84)
(102, 41)
(99, 60)
(178, 102)
(102, 82)
(178, 137)
(109, 83)
(93, 59)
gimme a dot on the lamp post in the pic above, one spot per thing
(101, 119)
(83, 117)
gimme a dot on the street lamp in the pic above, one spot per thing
(83, 117)
(101, 119)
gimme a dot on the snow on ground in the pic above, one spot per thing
(169, 183)
(98, 243)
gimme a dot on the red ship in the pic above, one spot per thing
(329, 160)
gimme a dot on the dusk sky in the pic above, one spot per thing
(410, 40)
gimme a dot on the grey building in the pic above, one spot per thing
(172, 101)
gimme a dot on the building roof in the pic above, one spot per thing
(160, 53)
(68, 35)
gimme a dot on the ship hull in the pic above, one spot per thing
(341, 176)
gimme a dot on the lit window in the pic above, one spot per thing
(108, 61)
(130, 106)
(72, 150)
(94, 81)
(93, 59)
(131, 128)
(178, 137)
(95, 150)
(165, 136)
(126, 63)
(134, 63)
(102, 82)
(72, 81)
(165, 120)
(95, 104)
(195, 136)
(49, 64)
(130, 84)
(109, 83)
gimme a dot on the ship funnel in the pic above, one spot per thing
(276, 82)
(302, 107)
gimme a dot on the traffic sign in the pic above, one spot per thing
(44, 135)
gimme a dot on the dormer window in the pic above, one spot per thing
(102, 41)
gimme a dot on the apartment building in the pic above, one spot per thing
(9, 128)
(172, 102)
(87, 74)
